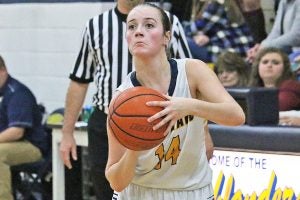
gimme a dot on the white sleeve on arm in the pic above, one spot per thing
(83, 67)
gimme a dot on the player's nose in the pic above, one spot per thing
(139, 30)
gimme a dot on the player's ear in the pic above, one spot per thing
(167, 38)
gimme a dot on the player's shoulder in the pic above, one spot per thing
(194, 65)
(189, 61)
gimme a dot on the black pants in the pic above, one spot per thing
(98, 153)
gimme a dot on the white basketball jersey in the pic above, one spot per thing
(180, 162)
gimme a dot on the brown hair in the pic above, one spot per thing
(164, 17)
(230, 61)
(255, 79)
(2, 63)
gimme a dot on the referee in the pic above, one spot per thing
(105, 59)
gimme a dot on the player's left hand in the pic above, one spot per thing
(174, 108)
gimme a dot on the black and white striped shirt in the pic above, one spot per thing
(104, 56)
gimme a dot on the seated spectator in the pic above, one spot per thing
(231, 70)
(285, 33)
(289, 118)
(22, 136)
(295, 63)
(219, 26)
(271, 68)
(254, 17)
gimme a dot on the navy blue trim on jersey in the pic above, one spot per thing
(134, 80)
(174, 73)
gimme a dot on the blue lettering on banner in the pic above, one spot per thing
(270, 193)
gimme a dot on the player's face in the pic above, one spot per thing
(270, 67)
(145, 35)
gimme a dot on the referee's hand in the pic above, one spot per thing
(67, 147)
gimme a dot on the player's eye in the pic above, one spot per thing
(131, 26)
(149, 25)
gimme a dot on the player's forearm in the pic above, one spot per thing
(226, 113)
(121, 173)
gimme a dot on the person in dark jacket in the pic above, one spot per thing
(22, 135)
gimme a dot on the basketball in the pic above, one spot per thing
(128, 115)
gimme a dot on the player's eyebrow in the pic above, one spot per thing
(147, 18)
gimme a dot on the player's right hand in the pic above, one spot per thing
(67, 147)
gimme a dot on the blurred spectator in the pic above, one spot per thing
(289, 95)
(295, 63)
(272, 69)
(22, 136)
(231, 70)
(254, 17)
(292, 118)
(219, 26)
(289, 118)
(285, 33)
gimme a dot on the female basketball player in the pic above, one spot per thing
(177, 169)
